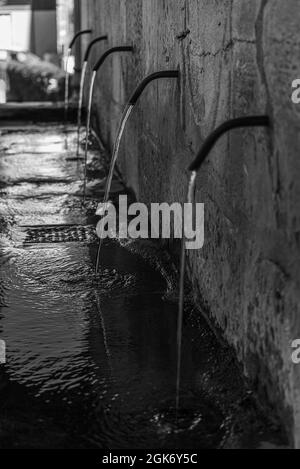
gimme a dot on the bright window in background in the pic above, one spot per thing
(15, 24)
(6, 31)
(6, 40)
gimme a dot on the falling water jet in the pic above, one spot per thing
(67, 83)
(251, 121)
(92, 84)
(124, 119)
(79, 112)
(191, 200)
(82, 80)
(77, 35)
(88, 124)
(104, 332)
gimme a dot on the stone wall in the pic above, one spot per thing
(236, 58)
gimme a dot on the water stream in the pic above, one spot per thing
(67, 82)
(190, 200)
(80, 103)
(115, 154)
(88, 128)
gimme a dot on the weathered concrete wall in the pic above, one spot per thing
(236, 57)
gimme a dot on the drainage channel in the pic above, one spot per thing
(53, 234)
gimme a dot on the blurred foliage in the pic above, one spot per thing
(32, 79)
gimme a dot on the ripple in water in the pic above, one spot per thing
(95, 356)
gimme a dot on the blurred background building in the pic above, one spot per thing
(33, 38)
(15, 24)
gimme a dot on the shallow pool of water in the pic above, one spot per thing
(91, 359)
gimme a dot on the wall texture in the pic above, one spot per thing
(236, 58)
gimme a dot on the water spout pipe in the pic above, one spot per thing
(92, 84)
(209, 143)
(109, 52)
(251, 121)
(124, 119)
(91, 45)
(77, 35)
(128, 109)
(82, 81)
(155, 76)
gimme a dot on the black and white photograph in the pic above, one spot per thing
(149, 229)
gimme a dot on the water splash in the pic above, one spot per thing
(191, 199)
(82, 80)
(88, 126)
(116, 150)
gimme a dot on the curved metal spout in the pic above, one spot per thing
(129, 107)
(155, 76)
(82, 80)
(77, 35)
(109, 52)
(251, 121)
(91, 45)
(126, 114)
(88, 122)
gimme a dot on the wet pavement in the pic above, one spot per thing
(91, 359)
